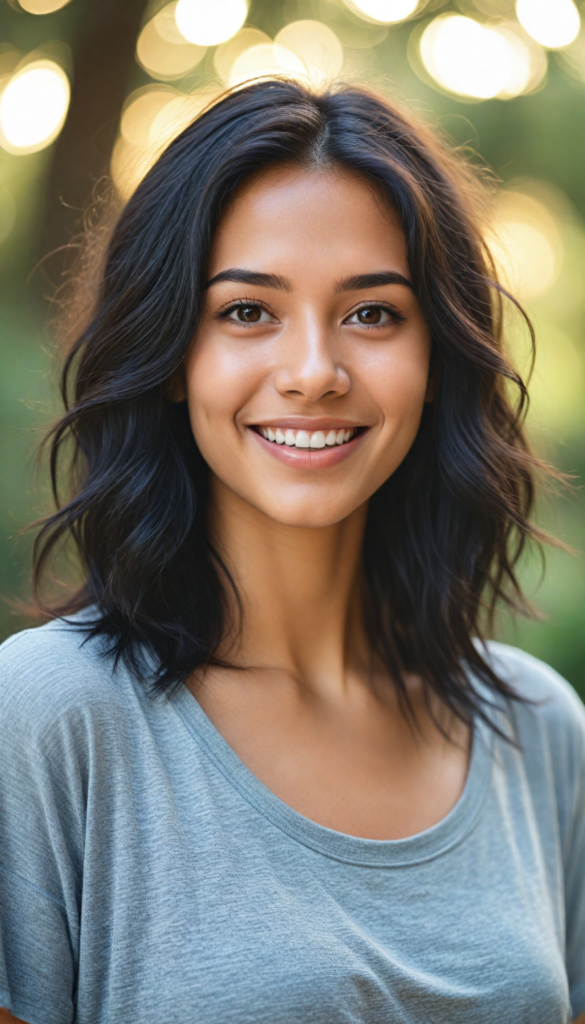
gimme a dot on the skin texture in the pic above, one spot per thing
(309, 719)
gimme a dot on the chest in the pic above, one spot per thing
(359, 767)
(225, 917)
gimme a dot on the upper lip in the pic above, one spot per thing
(304, 423)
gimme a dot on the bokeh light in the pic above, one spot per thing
(526, 244)
(226, 54)
(264, 61)
(43, 6)
(384, 12)
(152, 117)
(33, 107)
(141, 109)
(173, 117)
(528, 62)
(572, 58)
(538, 243)
(318, 48)
(552, 23)
(162, 50)
(556, 386)
(471, 59)
(129, 164)
(7, 212)
(209, 22)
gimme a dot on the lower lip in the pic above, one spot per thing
(310, 458)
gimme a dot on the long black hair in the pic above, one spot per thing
(444, 532)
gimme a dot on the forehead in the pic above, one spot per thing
(324, 216)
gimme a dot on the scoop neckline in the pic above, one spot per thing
(422, 846)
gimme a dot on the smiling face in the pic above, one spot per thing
(307, 377)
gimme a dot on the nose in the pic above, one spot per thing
(309, 365)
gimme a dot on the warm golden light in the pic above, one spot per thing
(226, 54)
(129, 164)
(33, 107)
(552, 23)
(526, 258)
(173, 117)
(42, 6)
(556, 386)
(385, 12)
(572, 59)
(528, 62)
(209, 22)
(162, 50)
(141, 109)
(152, 118)
(471, 59)
(264, 61)
(317, 47)
(526, 245)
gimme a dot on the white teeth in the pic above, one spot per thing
(303, 439)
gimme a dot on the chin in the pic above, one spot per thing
(308, 515)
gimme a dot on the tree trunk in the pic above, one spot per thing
(103, 56)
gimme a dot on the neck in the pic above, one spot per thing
(299, 588)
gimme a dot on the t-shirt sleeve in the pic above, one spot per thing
(36, 962)
(41, 784)
(559, 716)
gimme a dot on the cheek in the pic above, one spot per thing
(219, 380)
(398, 379)
(398, 384)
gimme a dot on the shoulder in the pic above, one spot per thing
(54, 676)
(550, 717)
(534, 680)
(531, 677)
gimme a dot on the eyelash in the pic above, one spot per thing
(396, 316)
(223, 314)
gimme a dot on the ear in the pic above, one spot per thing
(176, 386)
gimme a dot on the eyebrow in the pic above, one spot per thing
(361, 281)
(349, 284)
(252, 277)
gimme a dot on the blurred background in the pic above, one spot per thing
(93, 90)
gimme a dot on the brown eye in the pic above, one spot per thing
(249, 314)
(246, 313)
(370, 315)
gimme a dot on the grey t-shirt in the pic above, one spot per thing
(147, 876)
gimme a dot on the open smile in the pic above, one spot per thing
(309, 449)
(305, 439)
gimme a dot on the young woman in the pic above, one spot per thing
(262, 767)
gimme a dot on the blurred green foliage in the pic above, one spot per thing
(540, 136)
